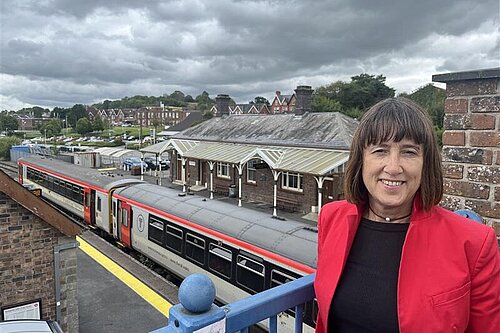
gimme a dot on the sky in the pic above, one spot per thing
(64, 52)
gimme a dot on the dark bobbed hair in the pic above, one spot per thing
(395, 119)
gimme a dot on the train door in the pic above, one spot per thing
(89, 206)
(20, 168)
(125, 222)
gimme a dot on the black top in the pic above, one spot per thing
(366, 296)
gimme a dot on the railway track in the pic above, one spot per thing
(8, 168)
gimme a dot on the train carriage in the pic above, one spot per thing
(243, 251)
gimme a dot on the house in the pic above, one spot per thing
(38, 275)
(283, 103)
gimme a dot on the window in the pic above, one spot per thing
(219, 260)
(87, 199)
(223, 170)
(195, 248)
(251, 172)
(279, 278)
(98, 204)
(114, 208)
(174, 238)
(292, 181)
(124, 217)
(155, 230)
(250, 272)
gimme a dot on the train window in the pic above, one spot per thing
(99, 204)
(155, 230)
(315, 310)
(124, 219)
(87, 199)
(195, 248)
(279, 278)
(114, 208)
(219, 260)
(174, 238)
(250, 273)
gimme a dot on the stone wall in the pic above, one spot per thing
(471, 143)
(27, 269)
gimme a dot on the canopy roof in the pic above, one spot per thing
(313, 161)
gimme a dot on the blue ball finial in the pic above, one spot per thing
(197, 293)
(470, 215)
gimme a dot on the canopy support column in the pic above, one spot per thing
(240, 173)
(183, 174)
(211, 165)
(276, 175)
(320, 180)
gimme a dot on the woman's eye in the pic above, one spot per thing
(410, 152)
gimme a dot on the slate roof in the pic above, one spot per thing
(331, 130)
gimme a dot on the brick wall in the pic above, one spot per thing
(27, 264)
(471, 143)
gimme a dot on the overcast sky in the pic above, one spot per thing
(63, 52)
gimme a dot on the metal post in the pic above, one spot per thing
(142, 166)
(211, 165)
(276, 174)
(240, 172)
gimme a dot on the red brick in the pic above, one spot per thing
(480, 121)
(497, 193)
(451, 202)
(453, 138)
(485, 104)
(466, 189)
(484, 208)
(467, 155)
(485, 139)
(484, 174)
(496, 226)
(454, 171)
(452, 105)
(472, 87)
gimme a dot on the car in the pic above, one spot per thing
(134, 161)
(30, 325)
(152, 163)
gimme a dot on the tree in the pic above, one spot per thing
(5, 144)
(8, 122)
(432, 99)
(83, 126)
(204, 101)
(356, 96)
(76, 112)
(188, 99)
(51, 128)
(322, 103)
(97, 124)
(260, 100)
(177, 95)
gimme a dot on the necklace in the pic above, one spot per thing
(388, 219)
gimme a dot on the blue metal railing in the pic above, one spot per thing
(195, 294)
(197, 311)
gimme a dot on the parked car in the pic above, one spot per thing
(134, 161)
(152, 164)
(28, 325)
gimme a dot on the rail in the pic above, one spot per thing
(197, 313)
(197, 310)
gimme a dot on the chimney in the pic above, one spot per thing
(222, 103)
(278, 93)
(303, 94)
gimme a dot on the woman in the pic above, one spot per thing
(389, 258)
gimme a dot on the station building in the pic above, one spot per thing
(292, 161)
(38, 265)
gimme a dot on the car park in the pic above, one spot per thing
(152, 163)
(134, 161)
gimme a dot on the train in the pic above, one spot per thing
(243, 251)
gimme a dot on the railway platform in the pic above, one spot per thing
(116, 293)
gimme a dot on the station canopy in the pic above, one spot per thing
(313, 161)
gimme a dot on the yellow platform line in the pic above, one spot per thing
(148, 294)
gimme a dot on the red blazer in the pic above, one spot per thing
(449, 275)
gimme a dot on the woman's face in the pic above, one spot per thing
(392, 172)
